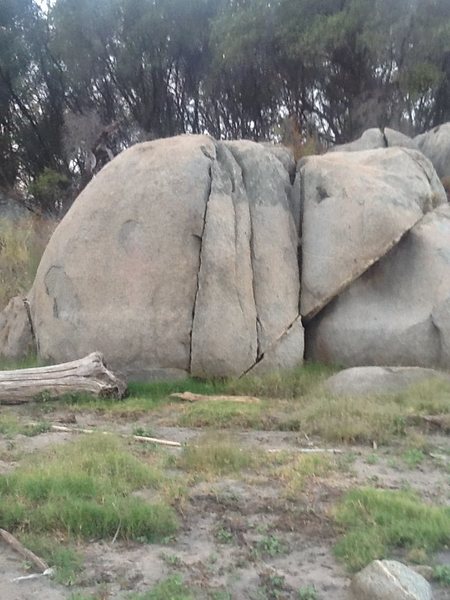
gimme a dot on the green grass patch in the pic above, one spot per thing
(215, 455)
(295, 474)
(378, 521)
(224, 414)
(441, 574)
(172, 588)
(288, 384)
(10, 425)
(84, 490)
(64, 559)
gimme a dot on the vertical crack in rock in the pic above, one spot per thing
(26, 304)
(207, 198)
(252, 249)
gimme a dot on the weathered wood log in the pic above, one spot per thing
(24, 552)
(88, 374)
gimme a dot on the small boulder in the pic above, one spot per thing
(389, 580)
(435, 144)
(370, 140)
(16, 336)
(361, 381)
(396, 138)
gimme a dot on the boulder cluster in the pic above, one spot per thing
(189, 255)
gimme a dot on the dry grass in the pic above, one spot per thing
(22, 243)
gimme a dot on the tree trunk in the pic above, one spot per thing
(88, 375)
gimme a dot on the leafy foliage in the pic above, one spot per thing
(82, 80)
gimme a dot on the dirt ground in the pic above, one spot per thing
(240, 538)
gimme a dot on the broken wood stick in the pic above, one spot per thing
(20, 548)
(139, 438)
(190, 397)
(88, 374)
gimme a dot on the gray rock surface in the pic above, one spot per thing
(371, 139)
(435, 144)
(398, 312)
(179, 257)
(16, 338)
(396, 138)
(389, 580)
(356, 207)
(360, 381)
(248, 277)
(375, 138)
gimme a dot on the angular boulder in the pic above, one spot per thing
(356, 206)
(16, 335)
(398, 312)
(435, 144)
(396, 138)
(362, 381)
(389, 580)
(180, 257)
(375, 138)
(371, 139)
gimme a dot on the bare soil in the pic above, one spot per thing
(240, 536)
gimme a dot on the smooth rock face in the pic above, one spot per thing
(374, 138)
(389, 580)
(179, 257)
(435, 144)
(398, 312)
(370, 140)
(356, 206)
(16, 337)
(395, 138)
(360, 381)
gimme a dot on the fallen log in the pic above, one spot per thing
(89, 375)
(24, 552)
(190, 397)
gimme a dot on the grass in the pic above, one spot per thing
(83, 490)
(171, 588)
(378, 521)
(290, 401)
(215, 455)
(21, 246)
(65, 560)
(342, 420)
(268, 546)
(10, 426)
(441, 574)
(302, 468)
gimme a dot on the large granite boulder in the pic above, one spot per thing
(356, 207)
(435, 144)
(398, 312)
(179, 257)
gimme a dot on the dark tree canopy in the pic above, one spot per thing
(82, 79)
